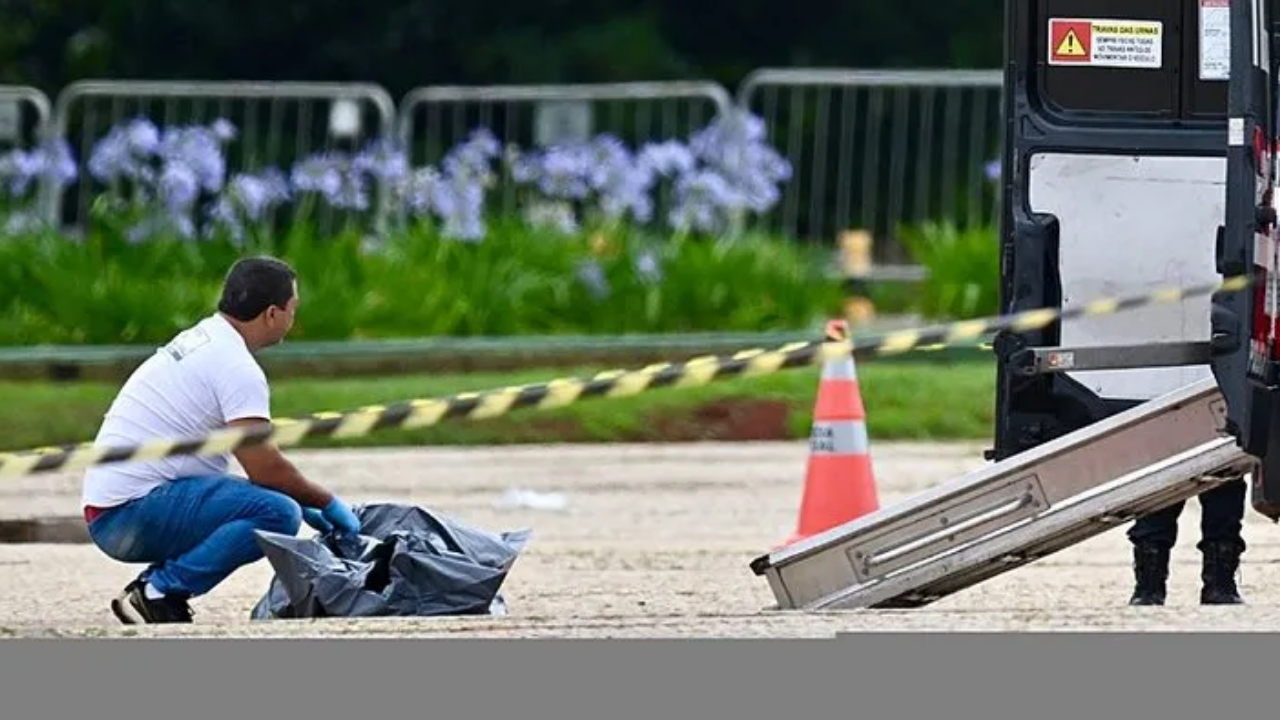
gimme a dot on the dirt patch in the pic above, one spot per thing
(553, 430)
(55, 530)
(733, 419)
(727, 419)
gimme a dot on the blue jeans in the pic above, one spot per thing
(194, 532)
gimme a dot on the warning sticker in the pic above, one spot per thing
(1069, 42)
(1106, 43)
(1215, 39)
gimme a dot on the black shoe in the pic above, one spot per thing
(1151, 573)
(133, 607)
(1221, 561)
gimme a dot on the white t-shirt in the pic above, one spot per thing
(202, 379)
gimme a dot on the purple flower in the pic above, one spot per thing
(648, 267)
(178, 223)
(603, 167)
(627, 192)
(18, 169)
(465, 221)
(726, 170)
(482, 143)
(456, 199)
(352, 193)
(254, 195)
(124, 152)
(608, 158)
(321, 174)
(474, 157)
(58, 164)
(199, 149)
(733, 146)
(564, 172)
(383, 160)
(992, 170)
(109, 161)
(457, 195)
(468, 228)
(423, 191)
(623, 182)
(142, 136)
(760, 172)
(525, 168)
(592, 276)
(248, 197)
(223, 130)
(670, 158)
(22, 223)
(703, 199)
(334, 177)
(272, 183)
(52, 162)
(738, 128)
(179, 187)
(571, 171)
(183, 226)
(222, 214)
(557, 216)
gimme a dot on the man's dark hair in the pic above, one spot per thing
(255, 284)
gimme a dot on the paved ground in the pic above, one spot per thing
(654, 541)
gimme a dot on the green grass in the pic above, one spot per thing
(963, 266)
(904, 401)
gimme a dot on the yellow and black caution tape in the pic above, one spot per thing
(421, 413)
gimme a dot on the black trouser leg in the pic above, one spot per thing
(1159, 530)
(1222, 516)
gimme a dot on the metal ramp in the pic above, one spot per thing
(1016, 511)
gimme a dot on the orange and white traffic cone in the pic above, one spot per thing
(839, 482)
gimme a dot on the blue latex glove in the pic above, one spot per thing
(339, 513)
(315, 518)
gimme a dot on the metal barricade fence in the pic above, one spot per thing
(433, 120)
(871, 149)
(25, 118)
(277, 124)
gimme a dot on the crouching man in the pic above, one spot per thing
(184, 516)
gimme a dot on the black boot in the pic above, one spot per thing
(1150, 572)
(1221, 561)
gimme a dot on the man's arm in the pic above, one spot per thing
(245, 399)
(267, 466)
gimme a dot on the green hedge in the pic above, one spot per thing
(964, 270)
(104, 289)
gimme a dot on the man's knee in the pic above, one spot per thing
(1226, 501)
(279, 513)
